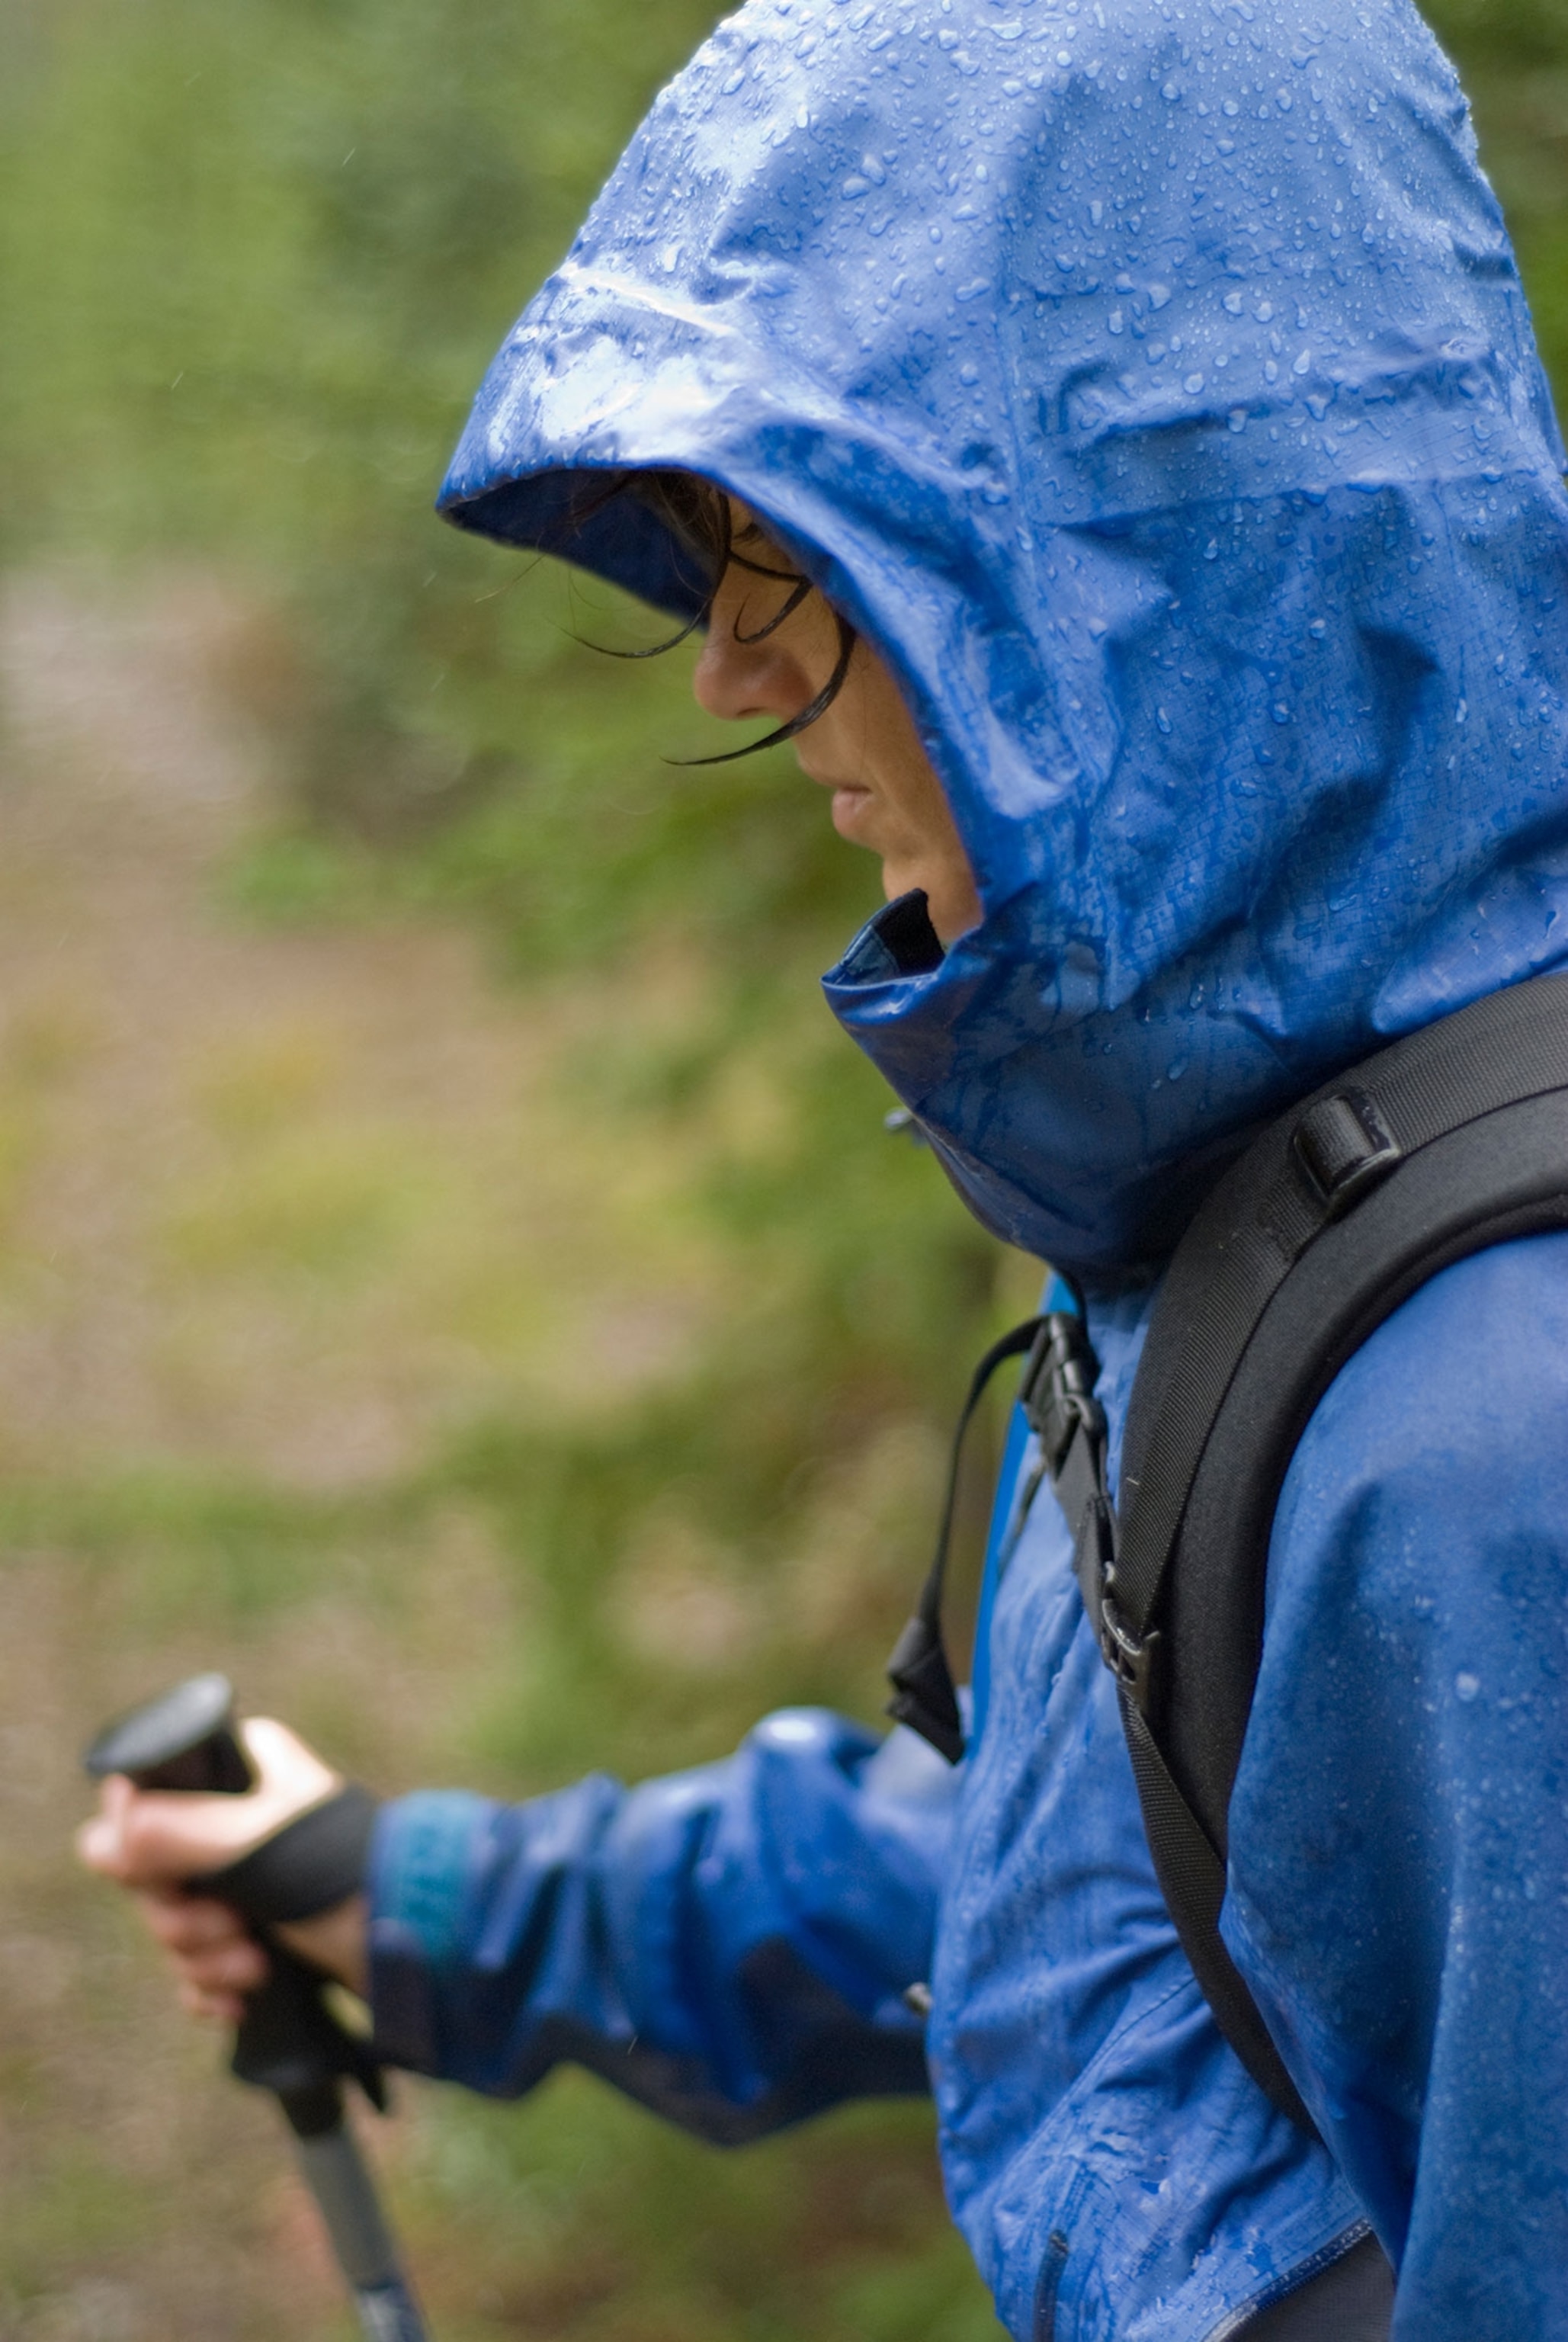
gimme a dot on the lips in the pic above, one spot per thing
(851, 803)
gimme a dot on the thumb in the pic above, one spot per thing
(148, 1838)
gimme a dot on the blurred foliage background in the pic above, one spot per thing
(451, 1272)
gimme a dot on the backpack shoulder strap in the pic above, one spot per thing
(1451, 1140)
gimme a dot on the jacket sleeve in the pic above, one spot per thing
(1398, 1832)
(730, 1946)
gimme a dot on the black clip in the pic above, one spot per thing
(1342, 1148)
(1057, 1389)
(1130, 1656)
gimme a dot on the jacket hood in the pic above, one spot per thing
(1152, 385)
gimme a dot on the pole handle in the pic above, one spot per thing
(185, 1741)
(288, 2040)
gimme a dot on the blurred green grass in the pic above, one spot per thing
(564, 1401)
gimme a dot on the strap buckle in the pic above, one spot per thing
(1130, 1656)
(1056, 1390)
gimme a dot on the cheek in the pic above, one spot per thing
(914, 798)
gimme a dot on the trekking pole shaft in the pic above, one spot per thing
(334, 2171)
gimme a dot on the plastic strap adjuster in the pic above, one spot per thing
(1341, 1149)
(1057, 1389)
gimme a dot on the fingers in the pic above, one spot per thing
(217, 1963)
(210, 2007)
(206, 1939)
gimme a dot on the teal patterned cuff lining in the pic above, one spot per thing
(420, 1866)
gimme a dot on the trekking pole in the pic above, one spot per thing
(288, 2041)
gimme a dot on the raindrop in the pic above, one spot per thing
(1193, 384)
(1234, 304)
(1171, 92)
(1302, 362)
(1164, 721)
(1465, 1684)
(1237, 420)
(1158, 295)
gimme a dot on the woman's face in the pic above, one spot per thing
(863, 747)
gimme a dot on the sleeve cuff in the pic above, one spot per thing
(421, 1868)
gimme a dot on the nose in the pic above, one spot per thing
(735, 678)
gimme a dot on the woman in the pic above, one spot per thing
(1147, 393)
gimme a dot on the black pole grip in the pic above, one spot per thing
(184, 1741)
(288, 2040)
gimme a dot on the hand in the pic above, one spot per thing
(149, 1841)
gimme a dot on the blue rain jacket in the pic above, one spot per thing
(1152, 385)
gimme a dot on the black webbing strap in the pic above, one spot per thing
(922, 1691)
(1305, 1174)
(1453, 1140)
(1448, 1141)
(1056, 1393)
(1192, 1874)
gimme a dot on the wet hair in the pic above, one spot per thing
(698, 516)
